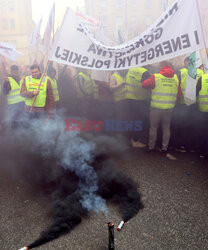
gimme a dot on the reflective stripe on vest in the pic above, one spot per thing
(164, 95)
(119, 93)
(55, 88)
(134, 85)
(14, 94)
(203, 94)
(33, 84)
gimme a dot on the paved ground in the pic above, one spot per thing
(175, 195)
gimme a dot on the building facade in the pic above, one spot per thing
(16, 25)
(131, 17)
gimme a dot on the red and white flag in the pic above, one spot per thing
(85, 18)
(47, 37)
(35, 36)
(8, 50)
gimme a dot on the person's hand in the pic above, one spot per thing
(35, 92)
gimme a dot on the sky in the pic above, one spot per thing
(43, 8)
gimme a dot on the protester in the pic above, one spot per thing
(52, 77)
(137, 101)
(66, 89)
(11, 90)
(117, 86)
(44, 103)
(165, 87)
(84, 92)
(202, 121)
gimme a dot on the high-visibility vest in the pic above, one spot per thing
(95, 90)
(184, 74)
(33, 84)
(14, 94)
(134, 85)
(164, 95)
(200, 73)
(203, 94)
(55, 88)
(120, 92)
(90, 87)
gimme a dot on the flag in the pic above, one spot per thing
(190, 92)
(121, 40)
(35, 36)
(85, 18)
(165, 4)
(8, 50)
(47, 37)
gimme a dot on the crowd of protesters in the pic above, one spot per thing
(152, 95)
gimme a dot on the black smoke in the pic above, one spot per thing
(74, 170)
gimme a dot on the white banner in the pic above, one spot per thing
(8, 50)
(176, 32)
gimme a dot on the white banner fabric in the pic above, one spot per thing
(178, 31)
(8, 50)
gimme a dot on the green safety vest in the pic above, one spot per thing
(203, 94)
(134, 85)
(119, 93)
(90, 87)
(33, 84)
(55, 88)
(164, 95)
(14, 94)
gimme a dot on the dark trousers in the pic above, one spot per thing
(16, 113)
(202, 128)
(134, 111)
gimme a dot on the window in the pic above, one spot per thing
(119, 3)
(12, 24)
(133, 20)
(103, 20)
(103, 3)
(148, 20)
(3, 6)
(11, 6)
(133, 3)
(119, 21)
(13, 42)
(5, 24)
(148, 3)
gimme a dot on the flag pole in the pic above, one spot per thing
(39, 85)
(203, 32)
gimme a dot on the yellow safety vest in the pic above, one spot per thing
(203, 94)
(14, 94)
(90, 87)
(119, 93)
(33, 84)
(55, 89)
(164, 95)
(134, 85)
(200, 73)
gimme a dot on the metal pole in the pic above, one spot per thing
(126, 21)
